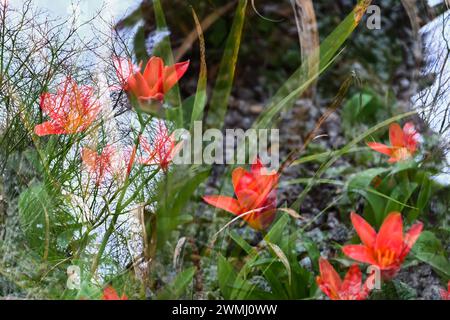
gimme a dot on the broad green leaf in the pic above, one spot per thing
(174, 193)
(229, 282)
(362, 180)
(429, 249)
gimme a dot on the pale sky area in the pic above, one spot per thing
(114, 8)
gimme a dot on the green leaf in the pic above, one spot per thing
(139, 45)
(362, 180)
(423, 178)
(276, 232)
(429, 249)
(226, 276)
(179, 285)
(174, 194)
(35, 211)
(225, 78)
(241, 242)
(284, 260)
(200, 96)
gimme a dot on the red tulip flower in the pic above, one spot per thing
(71, 110)
(350, 288)
(445, 294)
(386, 250)
(156, 80)
(256, 196)
(163, 149)
(109, 293)
(100, 165)
(403, 143)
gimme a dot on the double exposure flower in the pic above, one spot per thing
(386, 250)
(156, 80)
(109, 293)
(71, 109)
(99, 165)
(403, 142)
(162, 150)
(255, 196)
(124, 70)
(351, 288)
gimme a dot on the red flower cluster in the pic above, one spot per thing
(71, 110)
(163, 149)
(99, 165)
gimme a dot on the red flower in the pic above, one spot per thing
(350, 289)
(388, 249)
(71, 110)
(256, 196)
(445, 295)
(100, 165)
(163, 149)
(403, 142)
(156, 80)
(109, 293)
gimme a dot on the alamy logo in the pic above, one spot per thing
(235, 146)
(373, 17)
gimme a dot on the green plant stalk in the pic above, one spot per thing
(113, 222)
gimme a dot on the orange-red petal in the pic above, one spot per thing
(47, 128)
(396, 135)
(267, 185)
(351, 286)
(109, 293)
(222, 202)
(153, 71)
(329, 275)
(366, 233)
(379, 147)
(236, 176)
(139, 86)
(247, 199)
(411, 236)
(390, 235)
(173, 73)
(359, 253)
